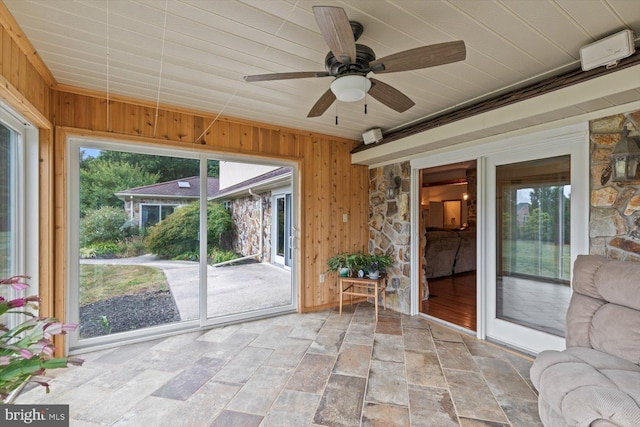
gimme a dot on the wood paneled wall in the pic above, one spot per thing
(330, 186)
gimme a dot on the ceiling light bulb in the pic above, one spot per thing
(350, 88)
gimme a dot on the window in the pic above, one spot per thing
(8, 150)
(18, 200)
(153, 214)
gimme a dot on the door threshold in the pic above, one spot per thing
(449, 325)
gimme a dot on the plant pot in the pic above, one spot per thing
(374, 275)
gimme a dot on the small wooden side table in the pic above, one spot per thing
(363, 287)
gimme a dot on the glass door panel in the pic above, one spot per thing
(137, 240)
(245, 278)
(533, 243)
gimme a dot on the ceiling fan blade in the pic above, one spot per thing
(390, 96)
(420, 57)
(285, 76)
(336, 30)
(322, 104)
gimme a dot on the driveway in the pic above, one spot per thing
(230, 289)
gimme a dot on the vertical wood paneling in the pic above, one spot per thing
(6, 55)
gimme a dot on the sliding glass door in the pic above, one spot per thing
(153, 244)
(535, 206)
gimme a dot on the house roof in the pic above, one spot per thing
(184, 188)
(275, 178)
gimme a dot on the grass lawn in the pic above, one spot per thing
(536, 258)
(100, 282)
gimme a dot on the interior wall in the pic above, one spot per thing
(442, 193)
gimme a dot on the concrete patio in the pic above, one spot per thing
(230, 289)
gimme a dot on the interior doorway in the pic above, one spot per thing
(448, 208)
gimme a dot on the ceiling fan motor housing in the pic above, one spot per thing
(364, 55)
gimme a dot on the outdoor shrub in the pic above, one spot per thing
(216, 256)
(102, 225)
(104, 248)
(188, 256)
(177, 234)
(86, 253)
(131, 246)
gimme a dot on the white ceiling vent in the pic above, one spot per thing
(607, 51)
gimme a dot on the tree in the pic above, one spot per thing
(101, 178)
(539, 226)
(549, 201)
(167, 168)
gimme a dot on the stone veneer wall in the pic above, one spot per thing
(614, 226)
(390, 230)
(246, 217)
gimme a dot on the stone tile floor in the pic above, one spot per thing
(315, 369)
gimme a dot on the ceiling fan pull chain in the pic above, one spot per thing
(336, 114)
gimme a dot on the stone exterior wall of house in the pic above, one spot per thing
(614, 226)
(246, 217)
(390, 230)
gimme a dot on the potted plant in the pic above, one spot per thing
(350, 263)
(377, 264)
(26, 350)
(347, 263)
(338, 264)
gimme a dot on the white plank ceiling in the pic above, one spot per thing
(194, 53)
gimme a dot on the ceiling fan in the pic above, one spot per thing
(350, 63)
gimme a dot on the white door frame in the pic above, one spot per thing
(576, 137)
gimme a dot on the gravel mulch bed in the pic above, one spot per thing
(128, 312)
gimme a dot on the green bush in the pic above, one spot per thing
(177, 234)
(86, 253)
(102, 225)
(217, 255)
(102, 248)
(188, 256)
(131, 246)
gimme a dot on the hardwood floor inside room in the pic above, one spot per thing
(453, 299)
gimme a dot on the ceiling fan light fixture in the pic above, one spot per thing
(350, 88)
